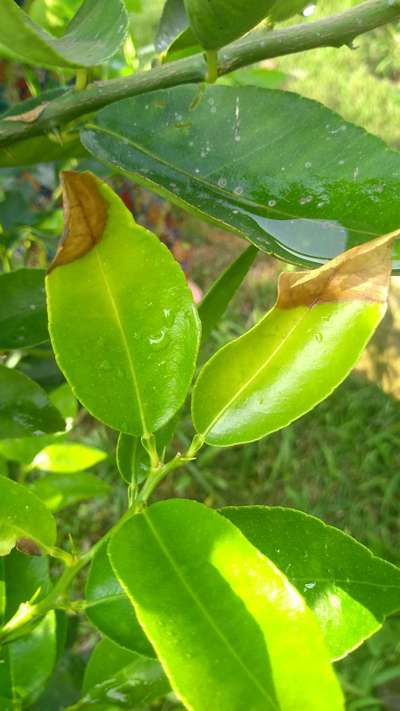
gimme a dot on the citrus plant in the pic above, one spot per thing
(238, 609)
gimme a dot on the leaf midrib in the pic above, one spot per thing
(213, 187)
(188, 589)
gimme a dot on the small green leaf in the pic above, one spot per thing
(109, 608)
(133, 460)
(125, 678)
(304, 190)
(68, 457)
(23, 515)
(25, 408)
(299, 352)
(58, 491)
(26, 664)
(23, 316)
(129, 360)
(229, 628)
(80, 46)
(350, 590)
(217, 299)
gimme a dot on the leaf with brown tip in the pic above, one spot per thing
(299, 352)
(85, 217)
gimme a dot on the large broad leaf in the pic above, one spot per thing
(114, 675)
(94, 35)
(217, 299)
(122, 320)
(23, 516)
(23, 316)
(229, 628)
(303, 190)
(299, 352)
(58, 491)
(350, 590)
(68, 457)
(109, 608)
(27, 663)
(25, 408)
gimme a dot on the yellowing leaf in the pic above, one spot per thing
(299, 352)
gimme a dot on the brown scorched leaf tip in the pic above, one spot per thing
(362, 273)
(85, 217)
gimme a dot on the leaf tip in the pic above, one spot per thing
(359, 274)
(85, 217)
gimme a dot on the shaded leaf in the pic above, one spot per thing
(58, 491)
(129, 360)
(27, 663)
(217, 299)
(125, 678)
(23, 315)
(25, 408)
(79, 46)
(303, 190)
(283, 366)
(229, 628)
(109, 608)
(350, 590)
(23, 515)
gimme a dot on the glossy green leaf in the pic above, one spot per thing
(25, 408)
(350, 590)
(68, 457)
(23, 515)
(24, 449)
(23, 315)
(122, 320)
(229, 628)
(298, 353)
(217, 299)
(58, 491)
(114, 675)
(109, 608)
(27, 663)
(303, 190)
(93, 36)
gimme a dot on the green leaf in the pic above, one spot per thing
(299, 352)
(93, 36)
(303, 190)
(23, 315)
(217, 299)
(109, 608)
(222, 21)
(23, 516)
(25, 408)
(58, 491)
(68, 457)
(127, 679)
(129, 360)
(350, 590)
(229, 628)
(283, 9)
(174, 22)
(27, 663)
